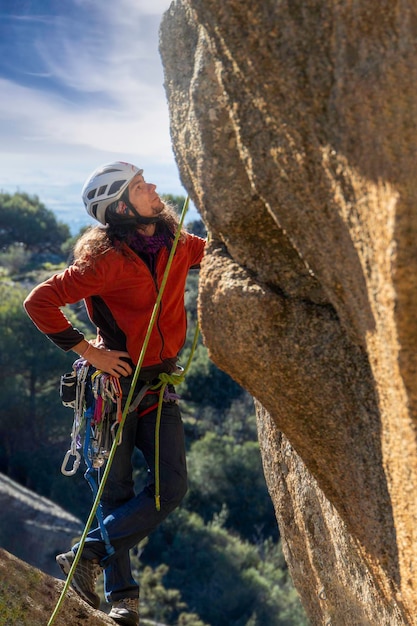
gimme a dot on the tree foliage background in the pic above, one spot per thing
(217, 560)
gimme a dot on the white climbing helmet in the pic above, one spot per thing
(106, 185)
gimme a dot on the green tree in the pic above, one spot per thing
(24, 219)
(69, 244)
(177, 202)
(226, 476)
(229, 582)
(34, 425)
(194, 226)
(197, 227)
(14, 258)
(208, 384)
(156, 601)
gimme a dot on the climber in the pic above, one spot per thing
(117, 270)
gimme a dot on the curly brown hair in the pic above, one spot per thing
(97, 240)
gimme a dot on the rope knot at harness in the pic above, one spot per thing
(174, 378)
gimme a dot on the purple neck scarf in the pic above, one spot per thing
(148, 247)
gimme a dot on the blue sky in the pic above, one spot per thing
(81, 84)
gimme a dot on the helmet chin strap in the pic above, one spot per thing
(139, 219)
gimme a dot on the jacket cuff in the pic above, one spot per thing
(66, 339)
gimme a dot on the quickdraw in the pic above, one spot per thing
(79, 376)
(107, 394)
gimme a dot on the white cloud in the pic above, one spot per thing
(110, 45)
(126, 9)
(110, 55)
(139, 125)
(99, 98)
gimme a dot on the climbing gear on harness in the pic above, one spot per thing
(77, 391)
(67, 389)
(98, 401)
(97, 410)
(96, 395)
(123, 417)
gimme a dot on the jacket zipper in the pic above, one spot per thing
(160, 310)
(155, 282)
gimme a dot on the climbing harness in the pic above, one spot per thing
(102, 454)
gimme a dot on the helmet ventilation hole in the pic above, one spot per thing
(114, 187)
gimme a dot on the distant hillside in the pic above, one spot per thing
(34, 528)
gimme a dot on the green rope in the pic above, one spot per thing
(176, 378)
(123, 419)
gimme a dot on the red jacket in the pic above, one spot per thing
(120, 293)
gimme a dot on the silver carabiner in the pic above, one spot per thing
(115, 434)
(77, 461)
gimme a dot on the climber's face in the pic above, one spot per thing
(144, 198)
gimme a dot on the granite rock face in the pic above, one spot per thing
(294, 129)
(28, 597)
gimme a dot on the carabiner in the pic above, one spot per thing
(77, 461)
(115, 434)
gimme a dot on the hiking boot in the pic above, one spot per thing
(126, 611)
(84, 578)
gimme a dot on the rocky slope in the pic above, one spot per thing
(34, 528)
(294, 128)
(28, 598)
